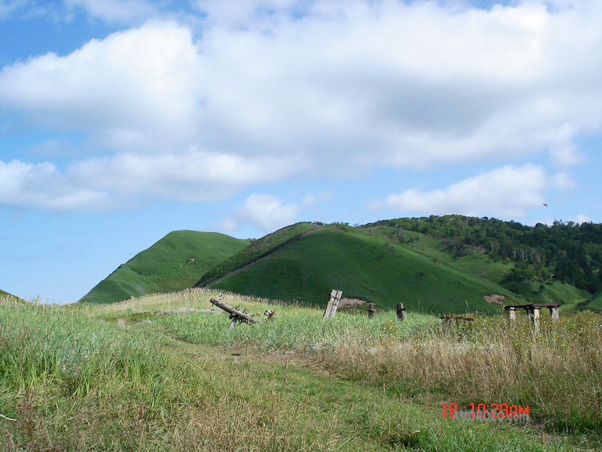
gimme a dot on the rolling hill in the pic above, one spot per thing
(305, 261)
(435, 264)
(174, 263)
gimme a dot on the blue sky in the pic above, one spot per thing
(121, 121)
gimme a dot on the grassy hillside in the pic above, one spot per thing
(257, 250)
(174, 263)
(363, 265)
(593, 304)
(477, 262)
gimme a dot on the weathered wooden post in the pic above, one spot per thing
(371, 310)
(554, 313)
(511, 312)
(235, 314)
(533, 313)
(401, 311)
(333, 303)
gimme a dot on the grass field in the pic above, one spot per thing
(163, 372)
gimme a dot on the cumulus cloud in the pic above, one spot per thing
(506, 193)
(315, 87)
(42, 186)
(266, 211)
(128, 179)
(270, 212)
(134, 90)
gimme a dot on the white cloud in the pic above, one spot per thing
(119, 11)
(266, 211)
(563, 181)
(134, 90)
(190, 176)
(507, 193)
(24, 9)
(583, 218)
(128, 179)
(315, 87)
(42, 186)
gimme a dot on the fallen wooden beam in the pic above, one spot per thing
(235, 314)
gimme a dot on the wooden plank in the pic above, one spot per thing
(333, 295)
(532, 305)
(335, 302)
(235, 313)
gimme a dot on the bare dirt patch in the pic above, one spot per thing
(495, 299)
(351, 302)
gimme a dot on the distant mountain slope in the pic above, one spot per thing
(478, 261)
(174, 263)
(369, 266)
(565, 252)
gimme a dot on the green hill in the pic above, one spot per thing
(477, 261)
(306, 261)
(5, 296)
(174, 263)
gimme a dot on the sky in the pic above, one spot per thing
(123, 120)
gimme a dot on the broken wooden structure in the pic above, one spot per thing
(532, 311)
(371, 310)
(333, 303)
(235, 314)
(268, 315)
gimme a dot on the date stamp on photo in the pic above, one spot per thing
(493, 412)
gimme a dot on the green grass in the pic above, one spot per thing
(256, 250)
(9, 296)
(175, 379)
(475, 261)
(365, 266)
(173, 263)
(594, 303)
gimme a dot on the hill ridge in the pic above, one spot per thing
(173, 263)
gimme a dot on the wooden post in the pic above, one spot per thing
(533, 313)
(401, 311)
(554, 313)
(371, 310)
(333, 295)
(511, 313)
(333, 303)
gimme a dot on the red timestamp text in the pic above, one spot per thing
(482, 411)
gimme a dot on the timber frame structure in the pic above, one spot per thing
(532, 311)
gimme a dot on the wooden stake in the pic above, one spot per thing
(401, 311)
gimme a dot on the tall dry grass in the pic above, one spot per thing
(556, 371)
